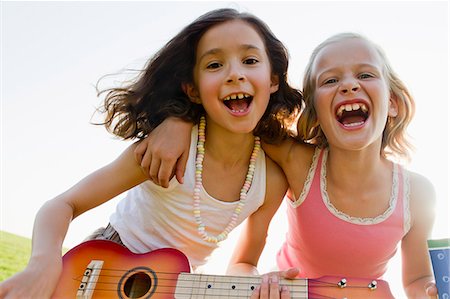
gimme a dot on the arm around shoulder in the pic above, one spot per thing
(162, 156)
(289, 151)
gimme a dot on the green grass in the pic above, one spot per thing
(14, 254)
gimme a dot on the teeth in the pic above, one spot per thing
(239, 96)
(364, 108)
(353, 124)
(351, 107)
(340, 110)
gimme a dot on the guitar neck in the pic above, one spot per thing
(236, 287)
(225, 286)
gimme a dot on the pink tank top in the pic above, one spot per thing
(324, 241)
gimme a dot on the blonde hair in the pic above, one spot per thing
(395, 139)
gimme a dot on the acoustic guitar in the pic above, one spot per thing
(104, 269)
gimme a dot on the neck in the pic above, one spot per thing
(228, 147)
(355, 166)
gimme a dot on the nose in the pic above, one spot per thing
(235, 73)
(349, 86)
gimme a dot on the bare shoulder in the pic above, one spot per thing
(422, 197)
(276, 183)
(422, 191)
(274, 173)
(289, 150)
(301, 153)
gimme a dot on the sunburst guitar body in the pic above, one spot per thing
(104, 269)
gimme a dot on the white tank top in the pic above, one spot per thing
(152, 217)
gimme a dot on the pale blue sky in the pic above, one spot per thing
(53, 53)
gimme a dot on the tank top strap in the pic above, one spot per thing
(313, 174)
(404, 196)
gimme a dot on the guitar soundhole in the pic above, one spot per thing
(139, 282)
(137, 285)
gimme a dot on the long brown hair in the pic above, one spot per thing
(134, 110)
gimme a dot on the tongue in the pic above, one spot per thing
(352, 119)
(237, 104)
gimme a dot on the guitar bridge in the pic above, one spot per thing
(89, 279)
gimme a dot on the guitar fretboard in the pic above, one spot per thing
(196, 286)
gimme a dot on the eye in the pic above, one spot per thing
(213, 65)
(329, 81)
(251, 61)
(366, 76)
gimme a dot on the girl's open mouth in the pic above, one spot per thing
(352, 115)
(238, 103)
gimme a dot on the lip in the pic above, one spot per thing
(240, 95)
(355, 125)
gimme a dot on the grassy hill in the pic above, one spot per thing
(14, 254)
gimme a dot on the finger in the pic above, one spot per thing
(255, 293)
(154, 170)
(165, 173)
(431, 290)
(285, 294)
(139, 151)
(146, 162)
(274, 287)
(181, 167)
(290, 273)
(264, 288)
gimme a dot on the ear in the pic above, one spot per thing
(191, 91)
(275, 83)
(393, 106)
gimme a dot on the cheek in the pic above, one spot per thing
(207, 84)
(260, 77)
(319, 104)
(324, 113)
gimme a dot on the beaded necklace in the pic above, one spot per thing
(198, 185)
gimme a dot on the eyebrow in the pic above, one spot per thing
(218, 50)
(357, 65)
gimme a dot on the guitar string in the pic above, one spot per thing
(294, 294)
(257, 279)
(231, 292)
(214, 278)
(223, 293)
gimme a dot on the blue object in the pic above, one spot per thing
(440, 260)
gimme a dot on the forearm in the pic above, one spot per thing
(50, 228)
(40, 277)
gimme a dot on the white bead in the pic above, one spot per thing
(198, 185)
